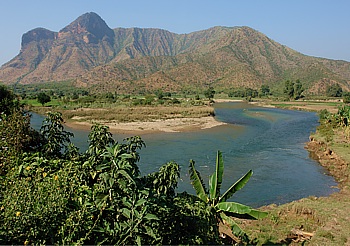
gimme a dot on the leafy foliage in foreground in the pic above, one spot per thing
(97, 197)
(218, 203)
(50, 193)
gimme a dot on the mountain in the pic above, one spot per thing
(50, 56)
(131, 60)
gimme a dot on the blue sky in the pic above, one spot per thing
(318, 28)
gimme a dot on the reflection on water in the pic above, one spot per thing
(268, 141)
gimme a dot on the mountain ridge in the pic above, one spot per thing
(92, 54)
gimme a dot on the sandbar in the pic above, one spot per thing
(166, 125)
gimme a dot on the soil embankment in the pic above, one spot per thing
(336, 166)
(314, 220)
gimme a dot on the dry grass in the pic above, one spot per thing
(136, 113)
(315, 106)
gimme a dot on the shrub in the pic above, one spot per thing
(346, 97)
(97, 197)
(43, 98)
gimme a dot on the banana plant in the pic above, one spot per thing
(218, 202)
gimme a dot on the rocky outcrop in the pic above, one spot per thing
(88, 28)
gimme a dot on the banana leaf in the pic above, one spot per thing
(236, 186)
(197, 183)
(256, 214)
(233, 207)
(236, 230)
(215, 179)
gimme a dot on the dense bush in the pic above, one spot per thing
(97, 197)
(243, 92)
(330, 121)
(334, 90)
(50, 193)
(43, 98)
(346, 97)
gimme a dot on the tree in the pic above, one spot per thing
(7, 103)
(43, 98)
(218, 202)
(265, 90)
(289, 89)
(159, 93)
(16, 137)
(293, 90)
(55, 135)
(298, 89)
(346, 97)
(16, 134)
(209, 93)
(334, 90)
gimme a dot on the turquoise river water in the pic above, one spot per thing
(269, 141)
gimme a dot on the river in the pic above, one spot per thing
(269, 141)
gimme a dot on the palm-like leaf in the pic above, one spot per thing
(236, 186)
(256, 214)
(215, 179)
(233, 207)
(236, 230)
(197, 182)
(219, 203)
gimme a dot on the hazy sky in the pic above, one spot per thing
(313, 27)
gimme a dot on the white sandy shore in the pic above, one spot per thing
(168, 125)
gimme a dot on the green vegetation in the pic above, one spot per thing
(218, 203)
(346, 97)
(248, 93)
(82, 106)
(334, 90)
(209, 93)
(43, 98)
(338, 122)
(6, 100)
(51, 193)
(293, 90)
(48, 187)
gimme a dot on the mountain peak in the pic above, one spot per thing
(88, 23)
(37, 35)
(143, 59)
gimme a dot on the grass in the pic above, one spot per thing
(138, 113)
(327, 218)
(35, 103)
(315, 106)
(126, 111)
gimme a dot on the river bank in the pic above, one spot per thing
(304, 105)
(311, 220)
